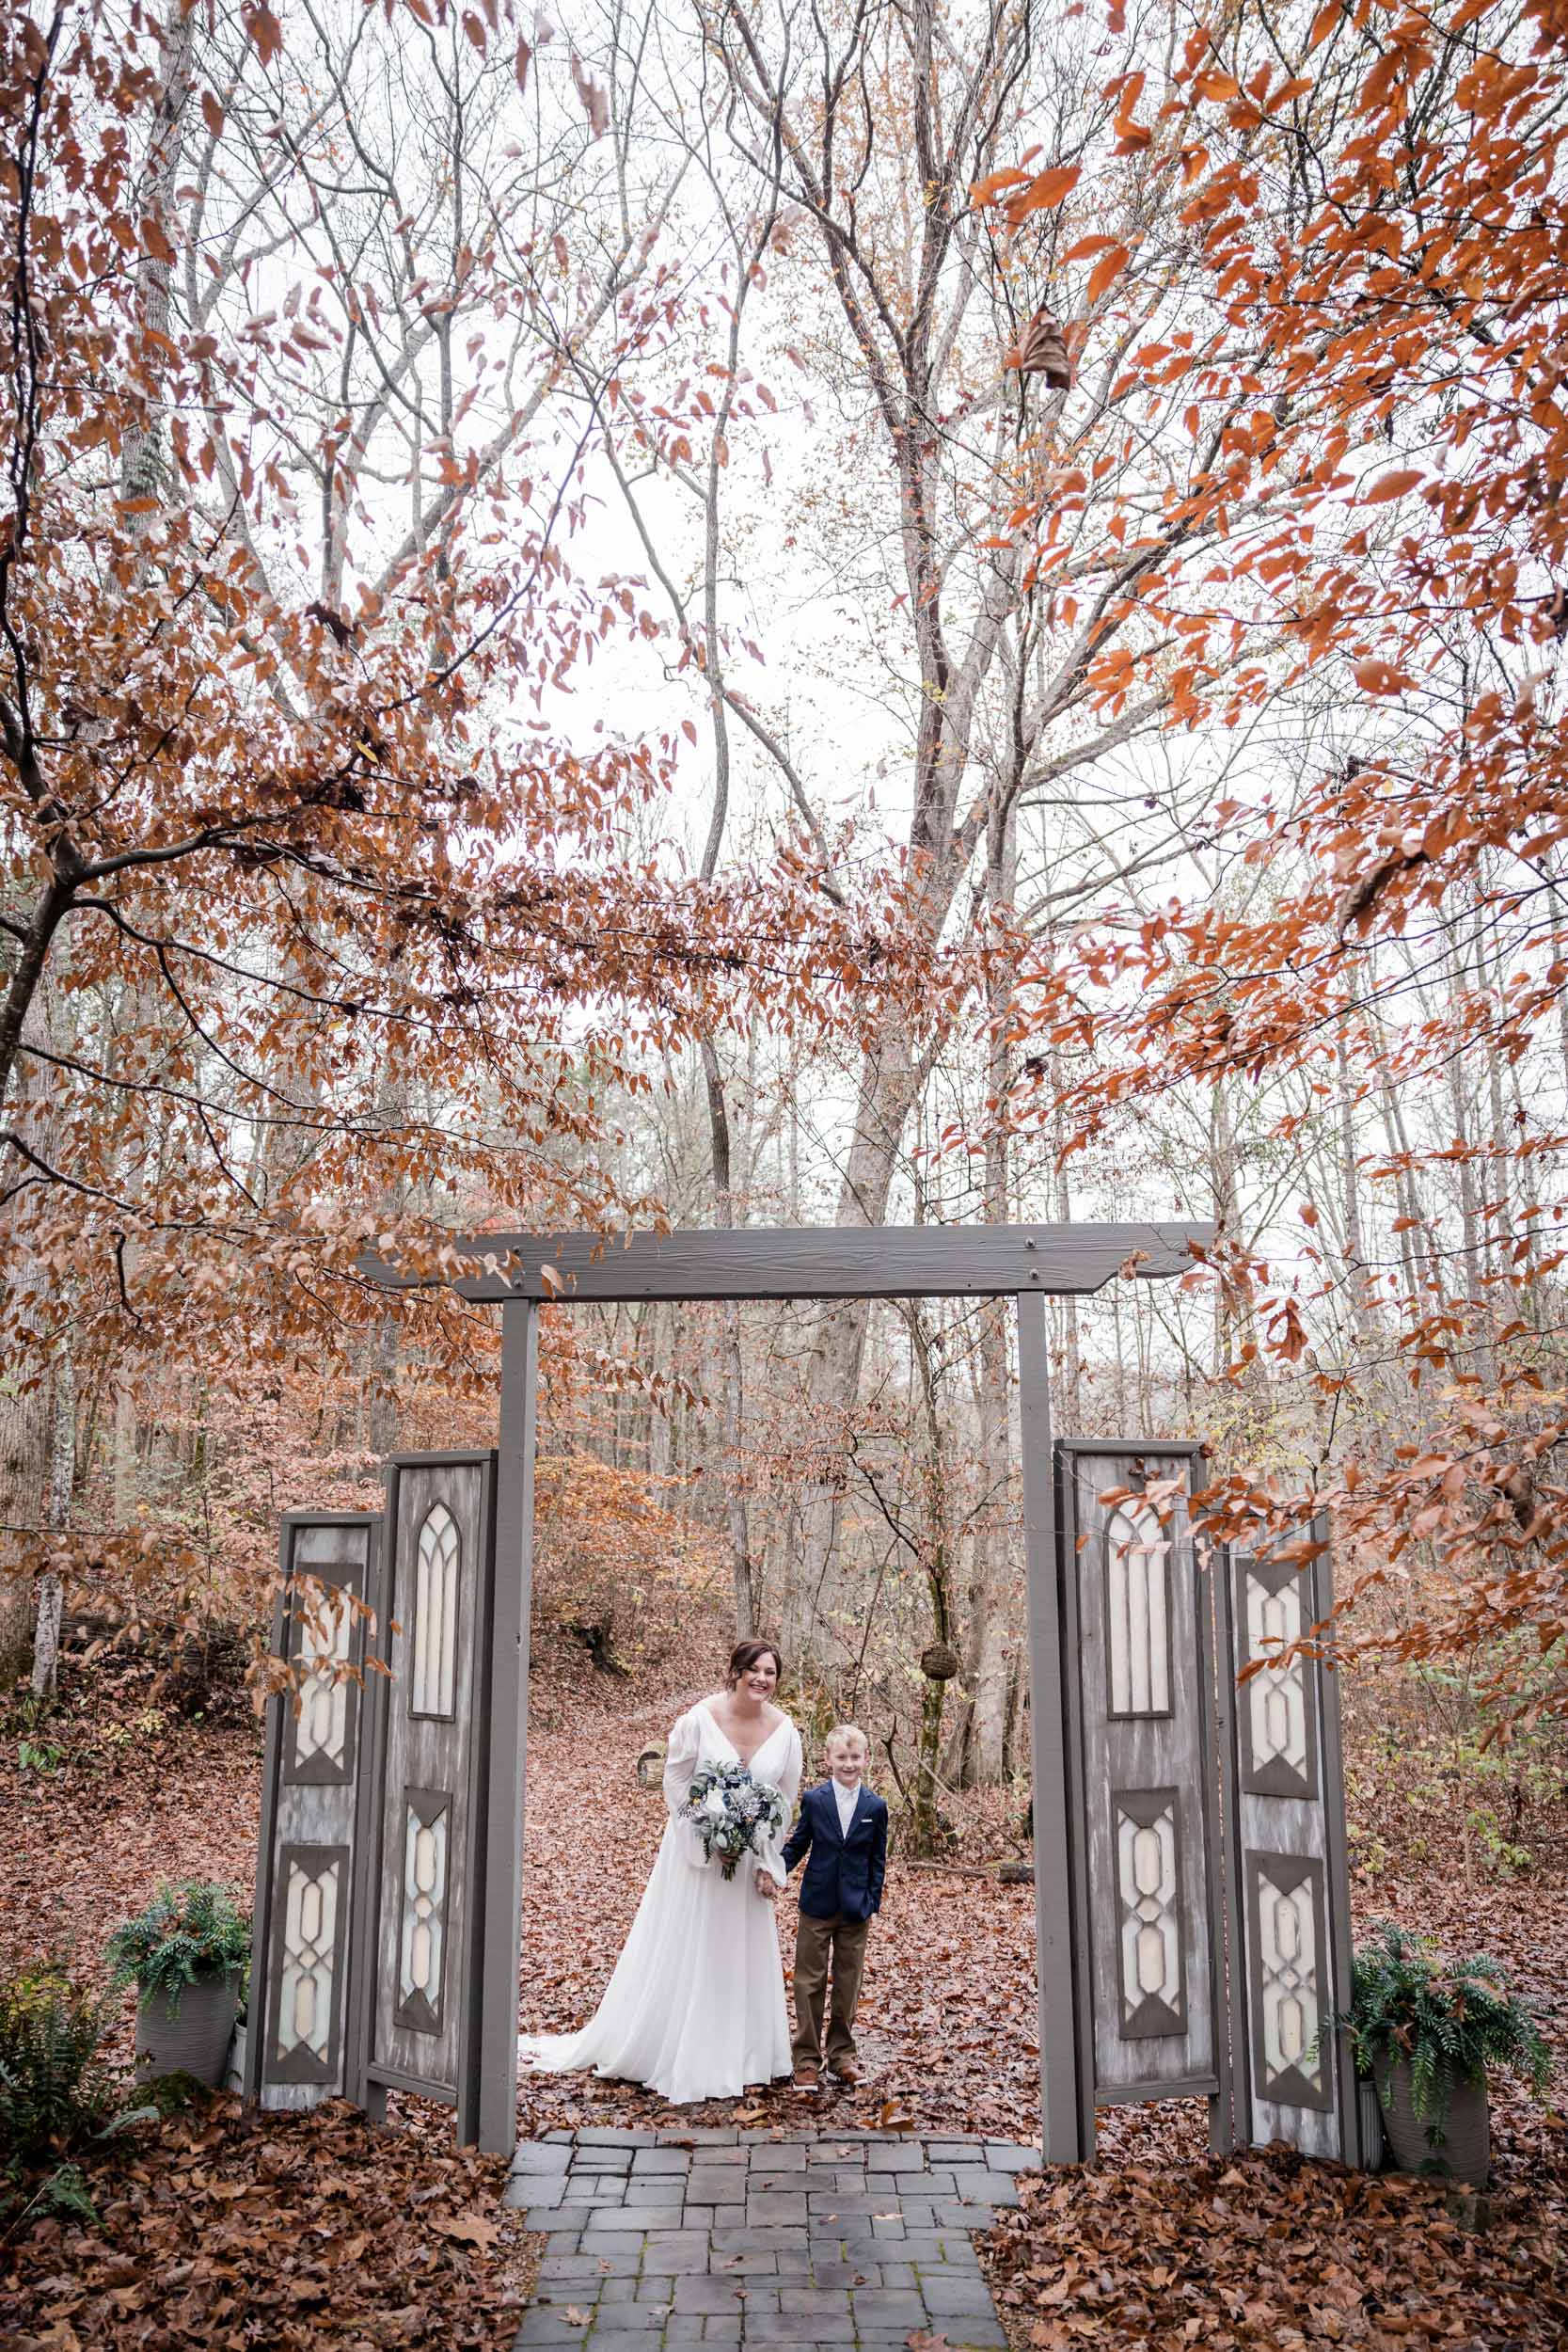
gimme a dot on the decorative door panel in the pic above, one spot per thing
(1288, 1880)
(306, 1882)
(1138, 1651)
(430, 1764)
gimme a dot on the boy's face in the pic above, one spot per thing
(847, 1760)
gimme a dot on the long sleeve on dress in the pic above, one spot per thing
(682, 1750)
(788, 1787)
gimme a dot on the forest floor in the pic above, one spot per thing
(217, 2229)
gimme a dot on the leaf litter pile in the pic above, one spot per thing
(218, 2228)
(234, 2230)
(1263, 2249)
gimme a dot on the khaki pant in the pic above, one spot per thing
(816, 1941)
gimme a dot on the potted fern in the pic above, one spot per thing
(187, 1953)
(1429, 2031)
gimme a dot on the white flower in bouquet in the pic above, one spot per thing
(731, 1812)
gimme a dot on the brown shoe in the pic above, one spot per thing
(805, 2078)
(846, 2073)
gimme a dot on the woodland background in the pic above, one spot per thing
(763, 620)
(792, 614)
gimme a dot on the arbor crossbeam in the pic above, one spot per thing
(809, 1262)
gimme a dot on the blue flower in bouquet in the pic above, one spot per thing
(732, 1813)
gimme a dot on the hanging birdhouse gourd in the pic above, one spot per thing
(940, 1663)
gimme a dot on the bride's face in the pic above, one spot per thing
(759, 1682)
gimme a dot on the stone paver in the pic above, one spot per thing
(845, 2242)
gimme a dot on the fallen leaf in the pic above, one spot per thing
(471, 2229)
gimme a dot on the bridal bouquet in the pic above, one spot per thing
(732, 1813)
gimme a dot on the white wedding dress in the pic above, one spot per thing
(696, 2006)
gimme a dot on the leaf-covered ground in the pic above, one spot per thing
(234, 2231)
(1161, 2245)
(1264, 2250)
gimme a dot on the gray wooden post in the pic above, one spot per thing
(494, 2049)
(1066, 2132)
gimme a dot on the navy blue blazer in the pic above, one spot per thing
(844, 1875)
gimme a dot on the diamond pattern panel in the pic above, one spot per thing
(1278, 1725)
(422, 1947)
(1147, 1831)
(308, 1964)
(320, 1749)
(1290, 2005)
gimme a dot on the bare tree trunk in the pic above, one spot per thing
(732, 1369)
(1357, 1269)
(936, 1548)
(1527, 1236)
(662, 1433)
(62, 1482)
(889, 1085)
(988, 1549)
(1470, 1205)
(23, 1482)
(382, 1421)
(1234, 1316)
(1418, 1268)
(123, 1445)
(142, 450)
(1014, 1711)
(26, 1400)
(1072, 1358)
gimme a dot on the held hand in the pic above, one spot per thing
(767, 1886)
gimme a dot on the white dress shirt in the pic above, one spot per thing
(846, 1800)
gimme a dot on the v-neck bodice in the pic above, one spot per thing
(748, 1761)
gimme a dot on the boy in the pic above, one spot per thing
(844, 1828)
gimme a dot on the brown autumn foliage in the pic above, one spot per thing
(1360, 208)
(225, 2227)
(1264, 2249)
(324, 922)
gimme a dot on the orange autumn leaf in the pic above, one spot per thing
(1393, 485)
(1380, 676)
(1044, 193)
(1106, 271)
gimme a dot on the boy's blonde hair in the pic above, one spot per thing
(845, 1731)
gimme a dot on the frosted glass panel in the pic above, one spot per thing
(424, 1910)
(1289, 1963)
(1151, 1918)
(321, 1727)
(310, 1960)
(434, 1685)
(1137, 1600)
(1276, 1697)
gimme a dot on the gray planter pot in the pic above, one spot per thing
(1464, 2150)
(191, 2038)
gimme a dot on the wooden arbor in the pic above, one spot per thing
(1189, 1855)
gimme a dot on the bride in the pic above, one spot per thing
(696, 2006)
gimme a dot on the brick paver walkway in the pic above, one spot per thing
(819, 2242)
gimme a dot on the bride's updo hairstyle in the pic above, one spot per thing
(745, 1655)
